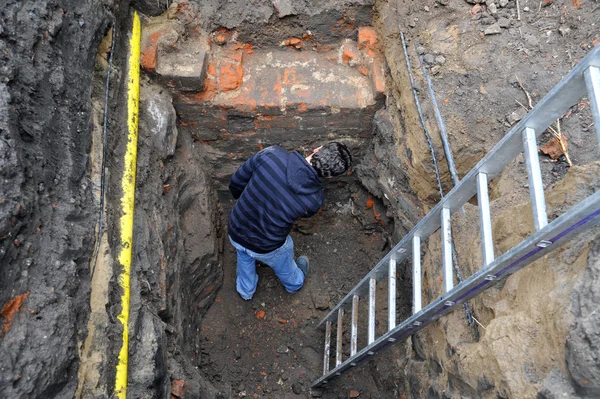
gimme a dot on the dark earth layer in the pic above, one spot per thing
(47, 211)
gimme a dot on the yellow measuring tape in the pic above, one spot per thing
(128, 199)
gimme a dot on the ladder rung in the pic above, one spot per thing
(392, 295)
(485, 219)
(354, 328)
(447, 250)
(536, 186)
(327, 347)
(592, 81)
(340, 332)
(372, 286)
(416, 273)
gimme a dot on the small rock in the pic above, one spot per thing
(516, 116)
(492, 8)
(236, 354)
(283, 349)
(531, 40)
(547, 3)
(429, 58)
(486, 20)
(504, 23)
(563, 30)
(459, 92)
(443, 2)
(353, 393)
(426, 9)
(440, 60)
(493, 29)
(416, 86)
(503, 3)
(321, 301)
(412, 24)
(316, 393)
(435, 70)
(526, 9)
(421, 50)
(296, 388)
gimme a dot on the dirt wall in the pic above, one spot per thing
(533, 326)
(47, 209)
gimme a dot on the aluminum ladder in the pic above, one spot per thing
(584, 78)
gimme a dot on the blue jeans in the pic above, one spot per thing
(280, 260)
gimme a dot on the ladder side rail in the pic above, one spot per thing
(592, 81)
(554, 104)
(582, 216)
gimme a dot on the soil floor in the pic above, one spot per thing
(269, 347)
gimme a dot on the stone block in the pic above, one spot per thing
(154, 37)
(183, 70)
(158, 118)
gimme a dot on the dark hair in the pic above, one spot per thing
(332, 159)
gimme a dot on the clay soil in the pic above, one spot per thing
(270, 346)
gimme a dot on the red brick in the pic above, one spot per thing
(367, 38)
(378, 77)
(349, 53)
(222, 36)
(293, 42)
(150, 52)
(231, 71)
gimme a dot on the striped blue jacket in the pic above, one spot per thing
(273, 188)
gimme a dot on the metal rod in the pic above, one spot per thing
(392, 295)
(372, 285)
(354, 329)
(536, 186)
(592, 81)
(447, 250)
(416, 273)
(421, 118)
(340, 332)
(485, 219)
(327, 347)
(441, 125)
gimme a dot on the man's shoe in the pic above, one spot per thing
(302, 263)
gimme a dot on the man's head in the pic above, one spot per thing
(332, 159)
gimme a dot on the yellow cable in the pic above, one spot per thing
(127, 200)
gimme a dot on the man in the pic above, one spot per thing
(274, 188)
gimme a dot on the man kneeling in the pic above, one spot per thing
(274, 188)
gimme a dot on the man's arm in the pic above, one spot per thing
(242, 176)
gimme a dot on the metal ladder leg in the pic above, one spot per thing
(416, 269)
(447, 251)
(392, 295)
(592, 81)
(485, 219)
(354, 328)
(340, 332)
(536, 186)
(327, 347)
(371, 335)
